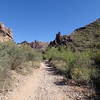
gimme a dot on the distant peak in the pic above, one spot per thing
(98, 19)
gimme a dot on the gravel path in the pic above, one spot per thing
(47, 90)
(38, 86)
(43, 85)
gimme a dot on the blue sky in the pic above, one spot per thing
(41, 19)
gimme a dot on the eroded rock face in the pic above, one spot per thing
(61, 40)
(5, 34)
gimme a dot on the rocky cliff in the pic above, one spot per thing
(5, 33)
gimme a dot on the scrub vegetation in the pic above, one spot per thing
(79, 66)
(20, 59)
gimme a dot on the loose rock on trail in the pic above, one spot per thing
(41, 85)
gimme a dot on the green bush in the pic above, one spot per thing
(96, 57)
(83, 71)
(60, 54)
(61, 66)
(31, 54)
(79, 66)
(18, 58)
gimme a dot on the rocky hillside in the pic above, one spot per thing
(41, 46)
(5, 33)
(87, 37)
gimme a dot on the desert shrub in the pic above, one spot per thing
(52, 53)
(60, 54)
(83, 74)
(83, 70)
(31, 54)
(62, 59)
(79, 66)
(96, 57)
(18, 58)
(61, 66)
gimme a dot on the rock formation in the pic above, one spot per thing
(61, 40)
(5, 33)
(35, 44)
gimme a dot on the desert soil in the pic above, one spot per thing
(43, 84)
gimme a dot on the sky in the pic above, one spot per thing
(41, 19)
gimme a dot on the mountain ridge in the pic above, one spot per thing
(83, 38)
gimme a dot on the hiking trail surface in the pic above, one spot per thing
(41, 85)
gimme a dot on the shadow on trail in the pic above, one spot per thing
(61, 81)
(54, 71)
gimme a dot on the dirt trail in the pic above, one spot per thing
(39, 86)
